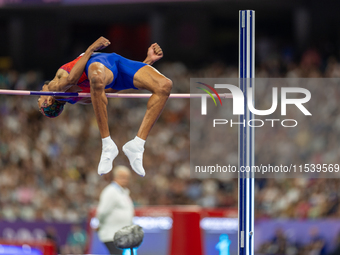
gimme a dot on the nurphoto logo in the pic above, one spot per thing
(239, 104)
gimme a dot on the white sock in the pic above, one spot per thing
(109, 153)
(107, 141)
(139, 142)
(134, 151)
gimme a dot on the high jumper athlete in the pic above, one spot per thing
(100, 73)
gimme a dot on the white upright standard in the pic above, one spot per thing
(246, 134)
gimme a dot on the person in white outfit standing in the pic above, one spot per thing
(115, 209)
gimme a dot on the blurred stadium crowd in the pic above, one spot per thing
(49, 166)
(280, 244)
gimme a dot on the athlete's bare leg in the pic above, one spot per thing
(99, 76)
(148, 78)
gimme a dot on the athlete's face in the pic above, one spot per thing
(45, 101)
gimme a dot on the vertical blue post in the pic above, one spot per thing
(246, 134)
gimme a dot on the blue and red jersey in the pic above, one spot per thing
(123, 71)
(83, 82)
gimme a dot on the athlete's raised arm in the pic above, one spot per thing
(154, 54)
(63, 81)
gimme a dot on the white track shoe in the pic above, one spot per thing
(134, 150)
(109, 153)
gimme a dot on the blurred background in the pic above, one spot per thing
(49, 185)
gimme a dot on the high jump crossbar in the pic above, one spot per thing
(110, 95)
(246, 134)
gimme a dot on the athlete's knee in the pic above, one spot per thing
(97, 82)
(164, 87)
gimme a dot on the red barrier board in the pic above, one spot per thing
(186, 234)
